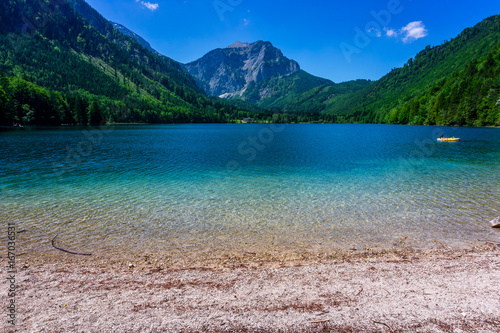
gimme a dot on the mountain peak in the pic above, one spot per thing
(127, 32)
(228, 72)
(237, 45)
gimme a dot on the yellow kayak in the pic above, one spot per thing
(448, 139)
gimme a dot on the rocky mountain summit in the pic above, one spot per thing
(228, 72)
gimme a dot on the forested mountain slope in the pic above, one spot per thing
(456, 83)
(56, 67)
(303, 92)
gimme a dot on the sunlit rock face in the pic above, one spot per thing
(228, 72)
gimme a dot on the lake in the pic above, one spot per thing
(216, 188)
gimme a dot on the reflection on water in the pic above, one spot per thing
(306, 187)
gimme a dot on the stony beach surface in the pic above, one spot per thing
(398, 290)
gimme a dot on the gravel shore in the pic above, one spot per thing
(387, 291)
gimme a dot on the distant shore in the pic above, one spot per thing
(384, 291)
(231, 122)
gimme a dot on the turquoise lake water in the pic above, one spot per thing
(249, 187)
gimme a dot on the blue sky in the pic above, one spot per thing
(337, 40)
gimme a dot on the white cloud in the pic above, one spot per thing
(390, 32)
(149, 5)
(413, 31)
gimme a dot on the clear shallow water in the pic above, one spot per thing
(203, 188)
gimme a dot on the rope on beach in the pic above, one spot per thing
(70, 252)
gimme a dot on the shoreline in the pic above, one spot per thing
(58, 249)
(244, 258)
(379, 291)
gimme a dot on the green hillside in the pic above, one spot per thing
(456, 83)
(56, 67)
(302, 92)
